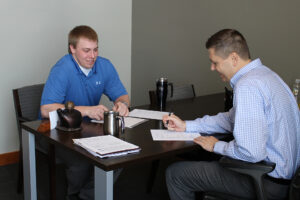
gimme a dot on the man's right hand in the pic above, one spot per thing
(94, 112)
(174, 123)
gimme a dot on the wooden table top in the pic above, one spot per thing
(140, 135)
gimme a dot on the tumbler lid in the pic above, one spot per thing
(111, 112)
(162, 80)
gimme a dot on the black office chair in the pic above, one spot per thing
(179, 92)
(257, 171)
(228, 99)
(27, 105)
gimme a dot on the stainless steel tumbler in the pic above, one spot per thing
(112, 123)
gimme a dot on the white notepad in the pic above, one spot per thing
(166, 135)
(106, 146)
(147, 114)
(130, 122)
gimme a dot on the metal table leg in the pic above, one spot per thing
(29, 168)
(103, 184)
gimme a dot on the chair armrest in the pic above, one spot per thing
(263, 166)
(23, 119)
(255, 170)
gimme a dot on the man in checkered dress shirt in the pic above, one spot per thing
(264, 120)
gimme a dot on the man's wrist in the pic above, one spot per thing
(125, 103)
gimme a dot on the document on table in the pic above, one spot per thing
(166, 135)
(130, 122)
(106, 146)
(147, 114)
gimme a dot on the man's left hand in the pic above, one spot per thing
(121, 108)
(206, 142)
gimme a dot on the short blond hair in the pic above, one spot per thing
(79, 32)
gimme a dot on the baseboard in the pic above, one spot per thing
(9, 158)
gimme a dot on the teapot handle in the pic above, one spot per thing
(59, 111)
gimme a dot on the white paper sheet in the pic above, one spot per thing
(166, 135)
(147, 114)
(130, 122)
(106, 146)
(53, 117)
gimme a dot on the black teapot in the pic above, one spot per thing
(69, 118)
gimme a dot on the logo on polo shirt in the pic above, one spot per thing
(98, 82)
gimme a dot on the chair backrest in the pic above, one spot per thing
(294, 192)
(182, 92)
(27, 103)
(152, 97)
(179, 92)
(228, 99)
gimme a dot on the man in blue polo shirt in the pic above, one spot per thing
(82, 77)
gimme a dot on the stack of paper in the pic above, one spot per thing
(147, 114)
(106, 146)
(166, 135)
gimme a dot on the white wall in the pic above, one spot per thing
(33, 36)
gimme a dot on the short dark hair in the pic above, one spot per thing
(81, 31)
(227, 41)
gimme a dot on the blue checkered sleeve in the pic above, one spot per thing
(250, 127)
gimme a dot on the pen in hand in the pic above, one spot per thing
(170, 113)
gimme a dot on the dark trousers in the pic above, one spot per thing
(79, 172)
(185, 178)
